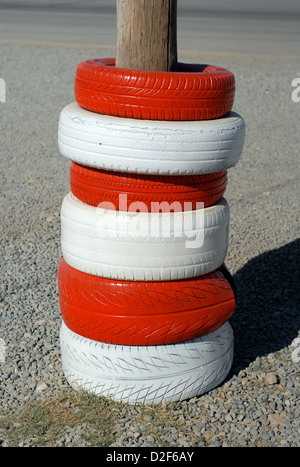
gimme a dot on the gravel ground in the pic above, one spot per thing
(258, 404)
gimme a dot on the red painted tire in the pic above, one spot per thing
(194, 92)
(149, 192)
(143, 313)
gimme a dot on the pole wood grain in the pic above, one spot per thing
(147, 35)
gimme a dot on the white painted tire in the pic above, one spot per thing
(147, 374)
(144, 246)
(147, 146)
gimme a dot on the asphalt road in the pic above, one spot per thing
(258, 27)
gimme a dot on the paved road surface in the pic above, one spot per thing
(258, 27)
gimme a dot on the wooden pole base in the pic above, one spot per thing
(147, 34)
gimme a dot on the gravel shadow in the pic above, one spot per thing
(267, 315)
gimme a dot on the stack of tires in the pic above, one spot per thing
(144, 293)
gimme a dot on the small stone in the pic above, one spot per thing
(244, 381)
(276, 419)
(271, 378)
(198, 427)
(40, 322)
(218, 444)
(41, 387)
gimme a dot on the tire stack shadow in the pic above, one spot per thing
(267, 316)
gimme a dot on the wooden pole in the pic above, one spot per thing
(147, 34)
